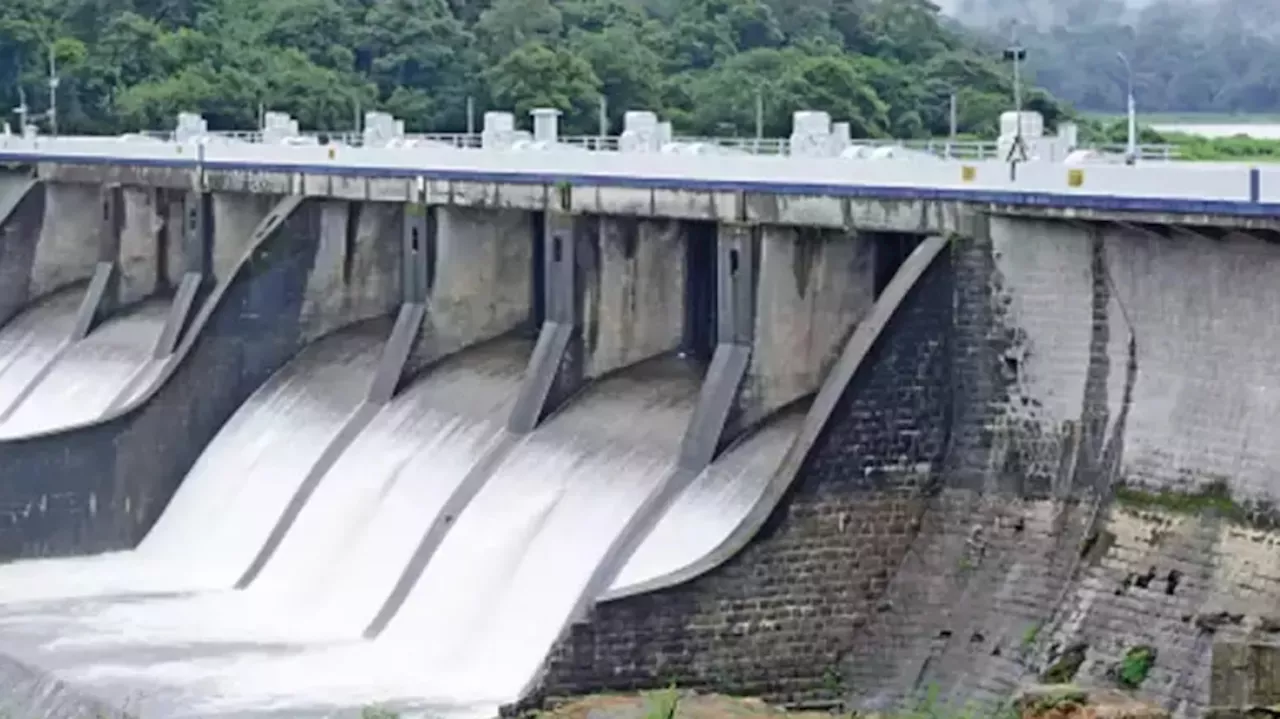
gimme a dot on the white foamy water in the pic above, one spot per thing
(90, 373)
(713, 505)
(481, 619)
(346, 549)
(231, 498)
(31, 340)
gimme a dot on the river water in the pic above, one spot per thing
(1261, 130)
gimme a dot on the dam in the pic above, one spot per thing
(301, 429)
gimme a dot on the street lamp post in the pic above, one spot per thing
(1017, 54)
(1131, 146)
(54, 81)
(22, 111)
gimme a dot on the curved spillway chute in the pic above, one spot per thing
(664, 559)
(59, 365)
(498, 588)
(345, 549)
(135, 394)
(82, 379)
(241, 474)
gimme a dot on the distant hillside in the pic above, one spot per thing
(888, 66)
(1187, 55)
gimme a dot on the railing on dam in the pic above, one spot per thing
(942, 148)
(1208, 188)
(818, 159)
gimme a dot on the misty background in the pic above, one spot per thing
(1210, 56)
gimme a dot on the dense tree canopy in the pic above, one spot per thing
(886, 66)
(1187, 55)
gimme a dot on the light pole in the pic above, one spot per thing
(22, 111)
(54, 81)
(1131, 147)
(1016, 54)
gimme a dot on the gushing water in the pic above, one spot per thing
(90, 373)
(480, 620)
(500, 587)
(231, 498)
(710, 508)
(512, 569)
(346, 549)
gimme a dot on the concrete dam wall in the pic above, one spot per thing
(581, 452)
(1053, 455)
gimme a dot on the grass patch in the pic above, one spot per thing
(1030, 636)
(662, 704)
(376, 712)
(1064, 698)
(1239, 148)
(1134, 666)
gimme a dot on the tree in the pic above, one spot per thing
(886, 66)
(535, 75)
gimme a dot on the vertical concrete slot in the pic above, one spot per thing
(700, 291)
(197, 242)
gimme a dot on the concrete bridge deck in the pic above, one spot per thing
(897, 195)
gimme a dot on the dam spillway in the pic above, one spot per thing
(357, 478)
(511, 572)
(215, 523)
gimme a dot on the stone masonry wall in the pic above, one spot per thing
(1186, 555)
(1173, 580)
(1041, 367)
(775, 619)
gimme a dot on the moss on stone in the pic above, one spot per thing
(1064, 668)
(1030, 636)
(1213, 499)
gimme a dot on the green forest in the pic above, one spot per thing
(889, 67)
